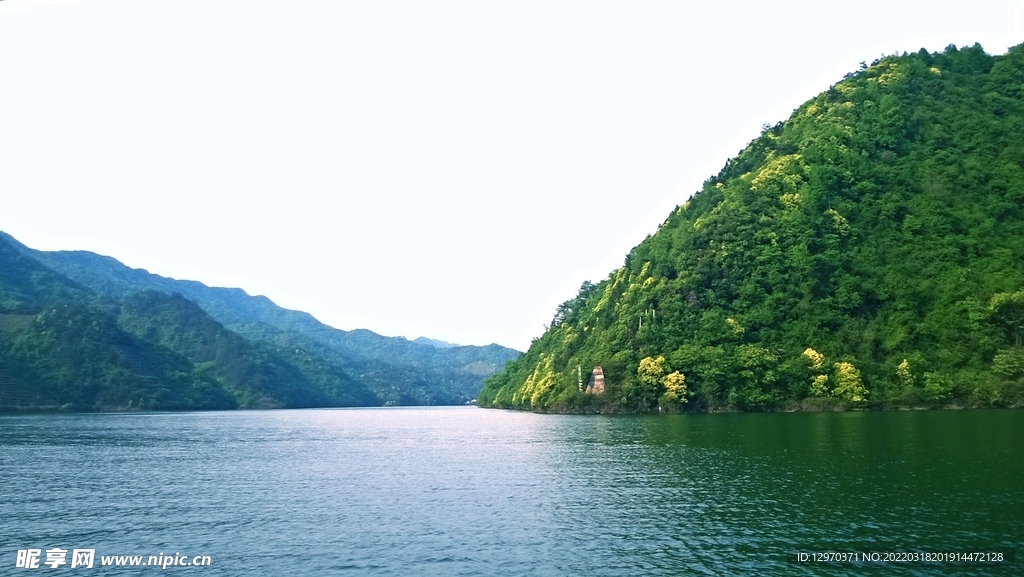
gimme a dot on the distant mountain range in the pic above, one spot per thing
(434, 343)
(82, 331)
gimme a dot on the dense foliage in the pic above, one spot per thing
(399, 372)
(866, 252)
(80, 331)
(61, 347)
(257, 375)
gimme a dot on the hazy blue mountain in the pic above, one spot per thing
(434, 343)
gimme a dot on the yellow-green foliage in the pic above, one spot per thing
(819, 387)
(569, 336)
(780, 175)
(609, 289)
(645, 270)
(790, 200)
(755, 356)
(651, 370)
(903, 374)
(848, 383)
(734, 326)
(675, 387)
(814, 357)
(891, 73)
(540, 381)
(842, 226)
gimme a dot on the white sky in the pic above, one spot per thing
(439, 168)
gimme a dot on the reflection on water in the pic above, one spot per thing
(466, 491)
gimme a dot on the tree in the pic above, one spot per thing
(1008, 311)
(937, 386)
(814, 358)
(649, 374)
(848, 383)
(819, 387)
(651, 370)
(675, 388)
(904, 375)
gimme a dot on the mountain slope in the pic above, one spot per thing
(257, 375)
(865, 252)
(61, 348)
(433, 342)
(396, 370)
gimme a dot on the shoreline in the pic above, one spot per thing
(798, 407)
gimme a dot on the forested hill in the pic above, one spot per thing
(866, 252)
(399, 371)
(80, 331)
(61, 348)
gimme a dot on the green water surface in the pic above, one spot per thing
(466, 491)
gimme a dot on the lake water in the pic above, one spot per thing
(467, 491)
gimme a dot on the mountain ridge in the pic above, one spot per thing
(281, 348)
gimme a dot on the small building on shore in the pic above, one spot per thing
(596, 385)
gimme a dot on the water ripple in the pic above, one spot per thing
(464, 491)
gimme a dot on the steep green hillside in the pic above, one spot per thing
(868, 251)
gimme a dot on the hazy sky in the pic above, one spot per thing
(438, 168)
